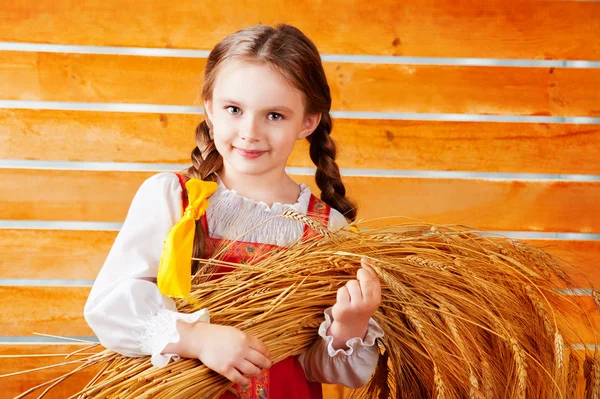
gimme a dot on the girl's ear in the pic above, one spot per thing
(311, 121)
(208, 109)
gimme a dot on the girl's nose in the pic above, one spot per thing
(250, 129)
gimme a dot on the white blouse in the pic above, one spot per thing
(130, 316)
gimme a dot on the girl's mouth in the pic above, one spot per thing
(249, 154)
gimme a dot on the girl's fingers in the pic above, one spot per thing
(369, 282)
(364, 262)
(363, 275)
(343, 296)
(354, 290)
(257, 359)
(371, 290)
(247, 368)
(236, 377)
(375, 294)
(259, 346)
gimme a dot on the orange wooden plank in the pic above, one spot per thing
(80, 254)
(484, 204)
(495, 29)
(44, 310)
(12, 386)
(58, 310)
(354, 87)
(99, 78)
(31, 194)
(362, 143)
(97, 136)
(53, 254)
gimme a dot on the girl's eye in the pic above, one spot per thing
(233, 110)
(275, 116)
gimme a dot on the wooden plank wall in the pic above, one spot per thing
(81, 126)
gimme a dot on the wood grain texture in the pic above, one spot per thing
(32, 194)
(362, 143)
(44, 310)
(534, 29)
(53, 254)
(354, 87)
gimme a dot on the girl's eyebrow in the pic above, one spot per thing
(279, 108)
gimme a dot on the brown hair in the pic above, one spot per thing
(295, 56)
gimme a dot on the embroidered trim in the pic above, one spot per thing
(240, 251)
(258, 388)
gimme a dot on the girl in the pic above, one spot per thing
(264, 89)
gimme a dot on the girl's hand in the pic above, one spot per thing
(356, 302)
(231, 352)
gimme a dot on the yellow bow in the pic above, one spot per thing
(175, 269)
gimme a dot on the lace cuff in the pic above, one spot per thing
(161, 330)
(353, 344)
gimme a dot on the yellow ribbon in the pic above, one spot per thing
(174, 277)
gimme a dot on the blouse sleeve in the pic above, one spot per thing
(125, 309)
(352, 366)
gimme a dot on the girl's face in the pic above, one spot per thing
(257, 117)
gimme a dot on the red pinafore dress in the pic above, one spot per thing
(286, 379)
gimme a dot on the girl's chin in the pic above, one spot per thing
(252, 167)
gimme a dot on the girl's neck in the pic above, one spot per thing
(275, 186)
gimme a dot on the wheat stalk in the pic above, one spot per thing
(451, 299)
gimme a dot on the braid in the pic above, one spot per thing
(205, 165)
(207, 162)
(328, 178)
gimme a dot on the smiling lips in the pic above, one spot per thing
(250, 154)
